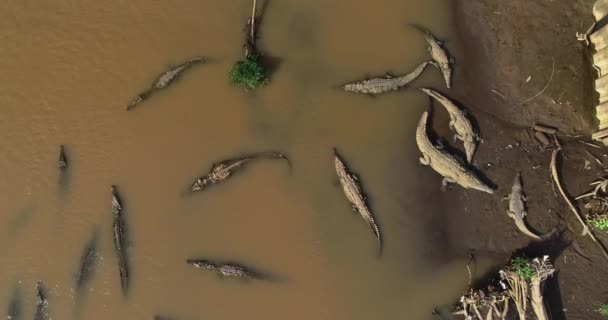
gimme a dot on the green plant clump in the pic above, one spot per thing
(249, 72)
(603, 310)
(599, 222)
(522, 267)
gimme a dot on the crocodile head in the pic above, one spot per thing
(200, 184)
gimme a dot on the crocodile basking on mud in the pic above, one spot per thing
(42, 303)
(517, 209)
(439, 54)
(385, 84)
(225, 169)
(165, 79)
(451, 168)
(120, 240)
(458, 123)
(354, 193)
(229, 270)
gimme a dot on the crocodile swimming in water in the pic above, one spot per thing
(458, 122)
(120, 240)
(517, 209)
(451, 168)
(41, 302)
(223, 170)
(354, 193)
(385, 84)
(62, 162)
(229, 270)
(165, 79)
(439, 54)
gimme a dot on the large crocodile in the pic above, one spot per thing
(62, 162)
(223, 170)
(165, 79)
(458, 122)
(355, 195)
(439, 54)
(517, 209)
(120, 240)
(88, 262)
(226, 269)
(450, 167)
(385, 84)
(42, 303)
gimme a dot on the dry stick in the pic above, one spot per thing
(557, 182)
(546, 86)
(253, 22)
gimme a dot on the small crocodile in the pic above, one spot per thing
(458, 123)
(450, 167)
(439, 54)
(165, 79)
(355, 195)
(88, 262)
(385, 84)
(120, 240)
(223, 170)
(42, 303)
(62, 162)
(230, 270)
(517, 209)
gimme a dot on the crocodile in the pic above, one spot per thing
(385, 84)
(88, 263)
(517, 208)
(42, 303)
(120, 240)
(439, 54)
(355, 195)
(62, 162)
(225, 169)
(458, 123)
(229, 270)
(164, 80)
(447, 165)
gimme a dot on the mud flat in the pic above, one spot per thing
(523, 65)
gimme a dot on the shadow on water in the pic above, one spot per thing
(22, 218)
(86, 270)
(15, 305)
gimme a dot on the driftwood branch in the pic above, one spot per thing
(557, 182)
(253, 22)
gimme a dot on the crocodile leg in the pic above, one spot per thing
(425, 160)
(439, 144)
(458, 137)
(445, 182)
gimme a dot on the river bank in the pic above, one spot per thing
(521, 64)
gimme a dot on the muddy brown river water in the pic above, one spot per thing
(71, 67)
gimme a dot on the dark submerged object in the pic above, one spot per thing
(62, 162)
(88, 263)
(227, 269)
(225, 169)
(165, 79)
(15, 306)
(41, 302)
(120, 241)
